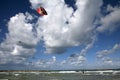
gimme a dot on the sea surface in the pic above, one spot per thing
(56, 76)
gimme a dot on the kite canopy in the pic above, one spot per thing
(41, 11)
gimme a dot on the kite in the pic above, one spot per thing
(41, 11)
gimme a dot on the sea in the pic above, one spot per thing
(56, 76)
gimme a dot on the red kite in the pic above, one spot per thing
(41, 11)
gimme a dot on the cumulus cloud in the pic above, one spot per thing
(73, 61)
(20, 29)
(110, 22)
(77, 59)
(106, 61)
(64, 27)
(105, 52)
(45, 63)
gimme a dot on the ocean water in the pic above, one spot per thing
(56, 76)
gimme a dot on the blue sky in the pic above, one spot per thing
(76, 34)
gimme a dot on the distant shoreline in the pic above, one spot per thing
(58, 70)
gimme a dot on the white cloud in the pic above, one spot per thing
(59, 35)
(110, 22)
(20, 41)
(54, 58)
(60, 29)
(73, 60)
(105, 61)
(105, 52)
(15, 51)
(45, 63)
(85, 50)
(108, 62)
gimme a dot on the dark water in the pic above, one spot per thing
(56, 76)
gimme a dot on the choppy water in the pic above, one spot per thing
(56, 76)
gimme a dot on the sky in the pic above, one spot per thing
(76, 34)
